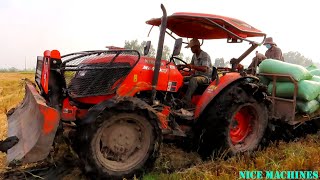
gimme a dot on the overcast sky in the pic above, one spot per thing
(28, 27)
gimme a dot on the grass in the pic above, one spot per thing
(175, 164)
(301, 155)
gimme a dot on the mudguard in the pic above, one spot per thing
(124, 103)
(35, 124)
(215, 88)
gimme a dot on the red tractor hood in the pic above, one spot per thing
(201, 26)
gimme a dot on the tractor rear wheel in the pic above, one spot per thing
(317, 123)
(119, 145)
(247, 127)
(234, 122)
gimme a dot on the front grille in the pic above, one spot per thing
(97, 73)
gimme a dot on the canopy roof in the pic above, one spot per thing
(206, 26)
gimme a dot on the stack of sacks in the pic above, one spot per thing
(308, 85)
(311, 67)
(307, 89)
(308, 106)
(315, 72)
(279, 67)
(316, 77)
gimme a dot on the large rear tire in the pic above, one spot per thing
(119, 145)
(317, 123)
(234, 122)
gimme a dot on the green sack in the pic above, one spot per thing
(307, 90)
(308, 106)
(318, 98)
(315, 72)
(264, 80)
(311, 67)
(315, 78)
(278, 67)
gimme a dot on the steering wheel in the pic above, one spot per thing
(181, 66)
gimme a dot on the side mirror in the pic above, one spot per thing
(177, 47)
(146, 48)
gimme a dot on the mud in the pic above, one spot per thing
(62, 163)
(66, 165)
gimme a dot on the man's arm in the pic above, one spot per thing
(252, 63)
(257, 60)
(199, 68)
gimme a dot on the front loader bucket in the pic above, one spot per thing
(35, 124)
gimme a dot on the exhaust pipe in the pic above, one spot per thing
(159, 52)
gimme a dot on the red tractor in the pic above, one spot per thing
(122, 105)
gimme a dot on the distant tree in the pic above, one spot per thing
(31, 69)
(152, 51)
(297, 58)
(166, 53)
(219, 62)
(12, 69)
(188, 59)
(134, 44)
(181, 56)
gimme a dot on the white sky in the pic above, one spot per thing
(28, 27)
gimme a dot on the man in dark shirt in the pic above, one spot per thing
(256, 62)
(273, 52)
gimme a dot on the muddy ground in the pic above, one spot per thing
(64, 164)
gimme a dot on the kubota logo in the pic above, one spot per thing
(152, 68)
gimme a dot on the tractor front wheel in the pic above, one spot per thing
(120, 145)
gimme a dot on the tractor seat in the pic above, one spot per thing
(202, 87)
(213, 77)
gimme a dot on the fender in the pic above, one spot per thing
(125, 103)
(214, 89)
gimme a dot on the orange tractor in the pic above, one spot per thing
(122, 105)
